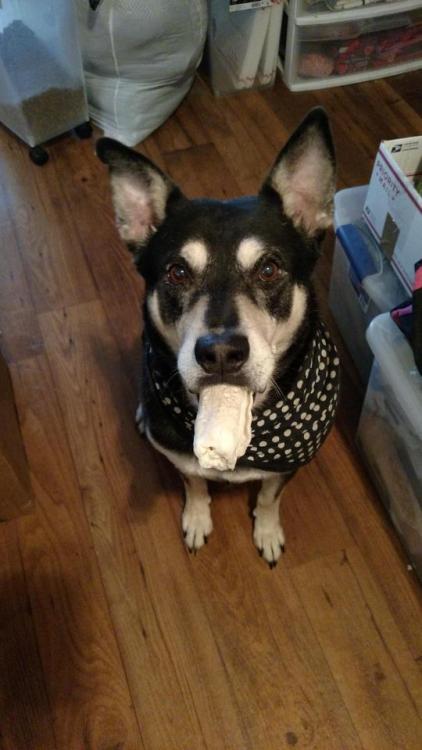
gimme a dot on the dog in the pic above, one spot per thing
(229, 299)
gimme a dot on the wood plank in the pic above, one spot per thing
(325, 720)
(201, 172)
(115, 468)
(15, 499)
(222, 120)
(408, 89)
(273, 663)
(373, 533)
(19, 332)
(20, 336)
(187, 117)
(26, 717)
(171, 136)
(381, 108)
(251, 116)
(86, 189)
(307, 498)
(53, 261)
(86, 684)
(189, 634)
(149, 148)
(15, 487)
(14, 290)
(365, 651)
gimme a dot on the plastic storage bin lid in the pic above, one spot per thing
(370, 267)
(396, 360)
(348, 205)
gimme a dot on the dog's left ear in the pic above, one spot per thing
(303, 176)
(142, 193)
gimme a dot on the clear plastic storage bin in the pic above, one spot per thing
(322, 51)
(390, 432)
(363, 284)
(242, 47)
(41, 81)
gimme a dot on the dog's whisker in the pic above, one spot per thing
(277, 388)
(173, 375)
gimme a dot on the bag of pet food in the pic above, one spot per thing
(140, 58)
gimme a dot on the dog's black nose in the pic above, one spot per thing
(222, 353)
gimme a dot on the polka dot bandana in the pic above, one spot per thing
(291, 426)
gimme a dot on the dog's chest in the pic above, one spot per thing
(286, 432)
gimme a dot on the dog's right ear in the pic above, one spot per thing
(142, 193)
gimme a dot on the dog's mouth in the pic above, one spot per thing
(227, 379)
(235, 380)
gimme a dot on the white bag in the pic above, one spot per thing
(140, 58)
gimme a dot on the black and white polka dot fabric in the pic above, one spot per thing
(290, 428)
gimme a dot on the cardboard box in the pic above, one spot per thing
(393, 207)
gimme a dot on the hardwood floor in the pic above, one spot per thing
(111, 635)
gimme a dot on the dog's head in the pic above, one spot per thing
(228, 290)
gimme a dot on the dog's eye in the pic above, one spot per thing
(268, 271)
(177, 275)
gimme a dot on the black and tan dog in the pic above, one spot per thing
(229, 299)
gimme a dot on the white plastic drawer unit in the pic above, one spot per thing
(348, 46)
(323, 11)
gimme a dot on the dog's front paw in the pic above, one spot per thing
(140, 419)
(197, 525)
(268, 536)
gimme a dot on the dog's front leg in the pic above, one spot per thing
(268, 534)
(196, 518)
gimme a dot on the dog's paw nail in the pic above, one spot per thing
(272, 564)
(260, 552)
(205, 540)
(283, 548)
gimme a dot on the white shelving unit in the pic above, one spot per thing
(320, 34)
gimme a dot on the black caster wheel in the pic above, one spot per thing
(38, 155)
(84, 130)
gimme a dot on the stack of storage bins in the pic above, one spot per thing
(363, 290)
(363, 284)
(390, 432)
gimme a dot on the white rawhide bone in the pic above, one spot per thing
(223, 426)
